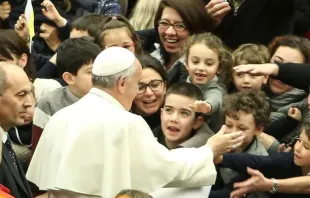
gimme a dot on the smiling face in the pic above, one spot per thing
(202, 64)
(302, 151)
(178, 119)
(171, 39)
(284, 55)
(150, 101)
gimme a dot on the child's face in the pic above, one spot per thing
(202, 64)
(246, 124)
(81, 83)
(178, 119)
(248, 82)
(119, 37)
(302, 151)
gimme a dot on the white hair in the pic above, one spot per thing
(111, 81)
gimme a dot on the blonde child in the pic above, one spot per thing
(207, 62)
(249, 54)
(132, 194)
(117, 31)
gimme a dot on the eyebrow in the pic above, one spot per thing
(170, 21)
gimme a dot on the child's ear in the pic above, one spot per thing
(198, 122)
(23, 60)
(265, 80)
(259, 130)
(68, 78)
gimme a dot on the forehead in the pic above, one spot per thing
(202, 51)
(289, 54)
(17, 84)
(118, 35)
(171, 14)
(304, 136)
(149, 74)
(179, 101)
(241, 117)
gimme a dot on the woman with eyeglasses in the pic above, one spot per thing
(152, 89)
(174, 22)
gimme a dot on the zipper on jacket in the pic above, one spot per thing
(237, 7)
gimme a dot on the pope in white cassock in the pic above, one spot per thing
(96, 148)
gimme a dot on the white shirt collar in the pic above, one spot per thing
(4, 135)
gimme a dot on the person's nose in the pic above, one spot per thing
(148, 91)
(174, 117)
(28, 101)
(170, 31)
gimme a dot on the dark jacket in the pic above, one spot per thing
(256, 21)
(14, 180)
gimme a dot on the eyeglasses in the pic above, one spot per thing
(154, 85)
(129, 46)
(166, 24)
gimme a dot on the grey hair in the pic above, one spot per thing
(3, 79)
(110, 81)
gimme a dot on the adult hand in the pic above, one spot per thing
(21, 27)
(201, 107)
(257, 183)
(295, 113)
(258, 69)
(221, 142)
(218, 9)
(52, 14)
(50, 35)
(5, 10)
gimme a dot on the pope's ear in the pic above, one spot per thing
(121, 84)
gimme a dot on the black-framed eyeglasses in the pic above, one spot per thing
(166, 24)
(154, 85)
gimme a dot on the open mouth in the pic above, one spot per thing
(171, 41)
(173, 129)
(148, 102)
(200, 75)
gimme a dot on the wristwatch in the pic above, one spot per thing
(274, 188)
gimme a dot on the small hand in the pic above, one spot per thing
(218, 9)
(295, 113)
(201, 107)
(52, 14)
(284, 148)
(21, 27)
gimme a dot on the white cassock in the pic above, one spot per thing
(96, 147)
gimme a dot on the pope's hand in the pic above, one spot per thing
(221, 143)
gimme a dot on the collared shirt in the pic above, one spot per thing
(4, 135)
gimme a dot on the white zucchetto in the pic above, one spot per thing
(112, 61)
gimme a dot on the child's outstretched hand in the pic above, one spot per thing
(201, 106)
(295, 113)
(21, 27)
(52, 14)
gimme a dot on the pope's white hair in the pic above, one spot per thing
(111, 81)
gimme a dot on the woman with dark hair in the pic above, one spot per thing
(152, 90)
(175, 21)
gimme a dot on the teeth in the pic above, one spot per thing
(201, 75)
(171, 41)
(149, 102)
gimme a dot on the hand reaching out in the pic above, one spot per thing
(52, 14)
(201, 107)
(50, 35)
(21, 27)
(221, 142)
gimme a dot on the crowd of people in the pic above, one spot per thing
(114, 98)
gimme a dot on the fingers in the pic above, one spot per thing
(217, 7)
(223, 130)
(213, 3)
(238, 192)
(222, 12)
(253, 172)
